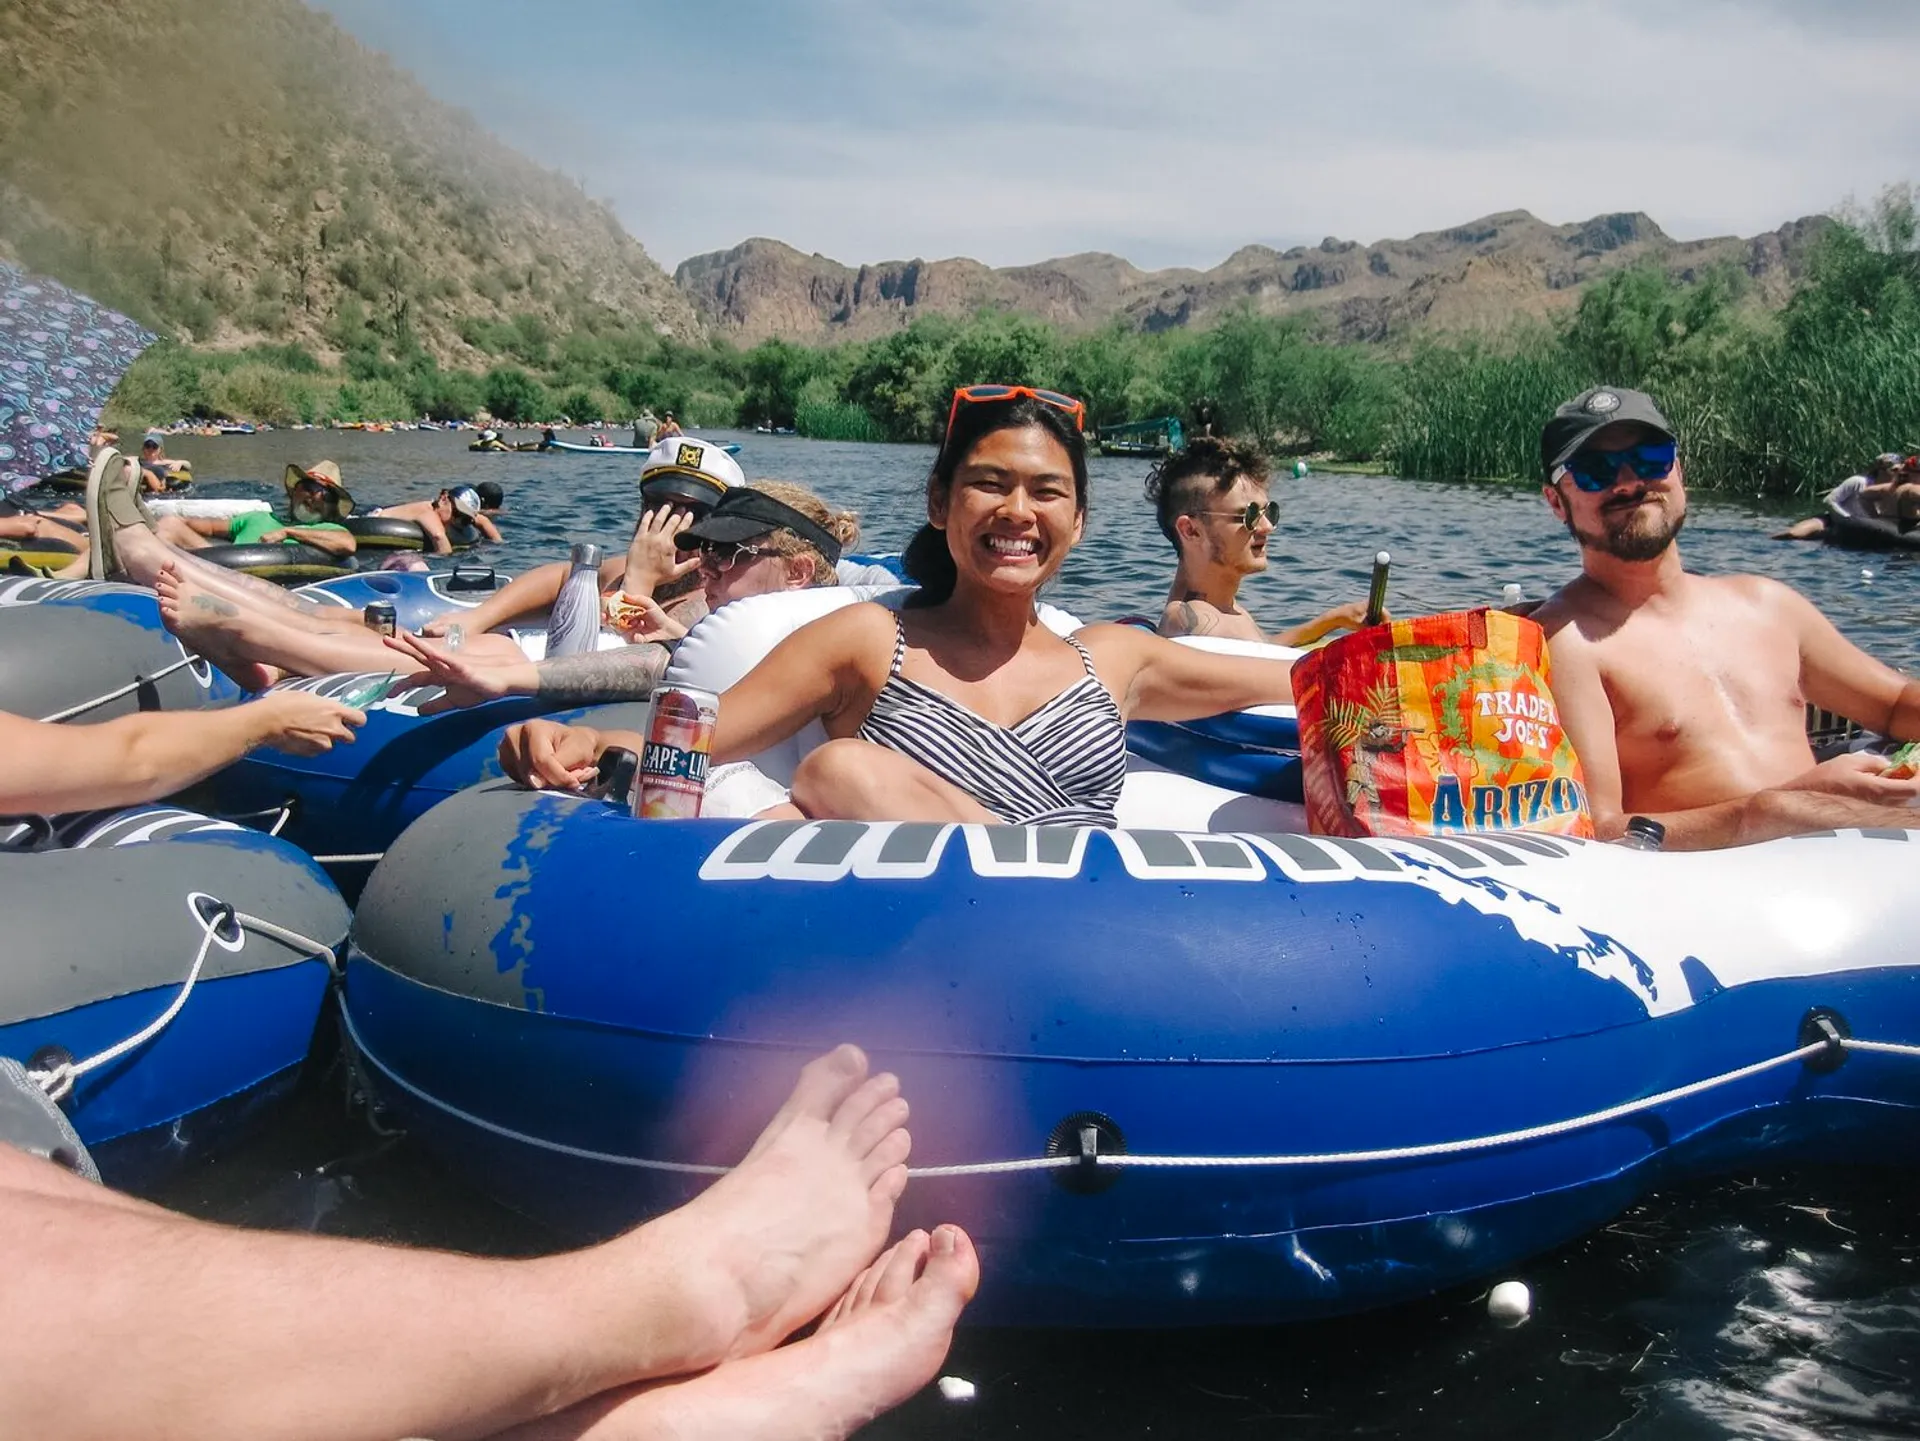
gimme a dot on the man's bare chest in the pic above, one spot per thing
(1667, 682)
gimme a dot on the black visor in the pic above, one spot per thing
(744, 513)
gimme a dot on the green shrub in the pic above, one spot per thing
(258, 392)
(447, 394)
(372, 400)
(820, 414)
(513, 395)
(708, 410)
(296, 358)
(163, 385)
(580, 406)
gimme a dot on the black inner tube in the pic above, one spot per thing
(381, 532)
(278, 562)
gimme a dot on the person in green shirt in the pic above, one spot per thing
(313, 496)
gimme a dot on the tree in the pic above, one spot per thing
(1102, 369)
(776, 373)
(513, 395)
(901, 380)
(1635, 326)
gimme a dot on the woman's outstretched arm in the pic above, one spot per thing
(1156, 679)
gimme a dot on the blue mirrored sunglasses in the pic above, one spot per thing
(1596, 470)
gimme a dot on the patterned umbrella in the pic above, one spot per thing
(60, 357)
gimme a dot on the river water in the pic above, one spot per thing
(1777, 1304)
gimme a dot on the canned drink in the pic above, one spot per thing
(673, 769)
(381, 617)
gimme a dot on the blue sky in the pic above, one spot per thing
(1173, 131)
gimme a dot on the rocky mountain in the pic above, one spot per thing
(235, 171)
(1476, 275)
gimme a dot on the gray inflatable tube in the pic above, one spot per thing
(152, 1061)
(70, 662)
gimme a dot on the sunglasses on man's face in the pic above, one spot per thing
(1250, 517)
(993, 394)
(1596, 470)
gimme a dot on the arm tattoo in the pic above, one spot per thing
(630, 673)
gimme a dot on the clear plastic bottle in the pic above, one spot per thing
(1643, 834)
(573, 626)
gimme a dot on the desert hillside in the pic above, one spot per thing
(236, 171)
(1477, 275)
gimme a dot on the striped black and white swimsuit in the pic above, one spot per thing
(1061, 766)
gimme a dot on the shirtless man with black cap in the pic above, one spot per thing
(1685, 694)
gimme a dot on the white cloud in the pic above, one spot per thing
(1173, 133)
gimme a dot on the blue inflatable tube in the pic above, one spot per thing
(105, 920)
(346, 805)
(1198, 749)
(416, 596)
(1350, 1073)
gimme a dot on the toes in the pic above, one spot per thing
(891, 1150)
(904, 1255)
(824, 1083)
(854, 1109)
(840, 1307)
(894, 1272)
(827, 1081)
(873, 1129)
(889, 1186)
(952, 1271)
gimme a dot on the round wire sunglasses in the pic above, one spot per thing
(1250, 517)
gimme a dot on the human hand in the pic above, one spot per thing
(441, 624)
(302, 723)
(464, 682)
(640, 619)
(1351, 616)
(1861, 776)
(653, 558)
(273, 537)
(544, 754)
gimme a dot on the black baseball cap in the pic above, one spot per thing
(743, 513)
(1574, 423)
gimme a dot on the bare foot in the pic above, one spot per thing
(884, 1340)
(769, 1246)
(208, 623)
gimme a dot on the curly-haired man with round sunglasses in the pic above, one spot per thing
(1685, 695)
(1211, 501)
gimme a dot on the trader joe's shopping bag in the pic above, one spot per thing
(1439, 724)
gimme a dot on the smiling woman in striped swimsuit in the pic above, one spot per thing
(962, 705)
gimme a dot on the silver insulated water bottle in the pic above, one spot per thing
(574, 625)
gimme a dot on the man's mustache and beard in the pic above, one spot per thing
(1631, 531)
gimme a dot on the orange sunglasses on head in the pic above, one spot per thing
(990, 394)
